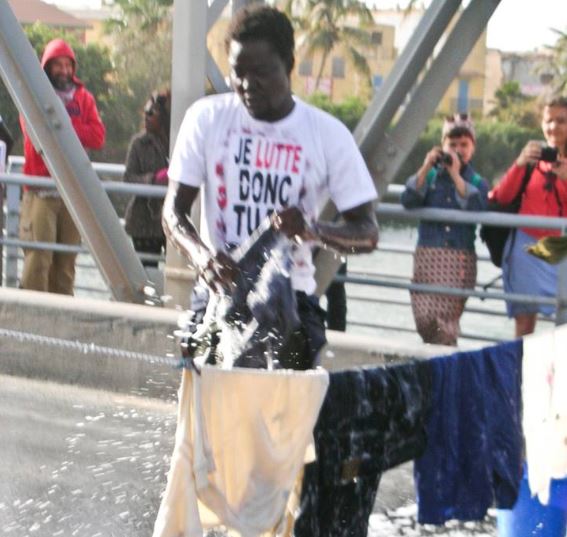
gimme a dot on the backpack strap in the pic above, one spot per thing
(430, 177)
(525, 181)
(476, 180)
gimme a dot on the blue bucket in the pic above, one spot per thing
(530, 518)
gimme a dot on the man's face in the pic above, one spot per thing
(260, 78)
(463, 145)
(60, 71)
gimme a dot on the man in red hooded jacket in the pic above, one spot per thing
(43, 215)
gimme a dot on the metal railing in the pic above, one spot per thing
(9, 238)
(385, 211)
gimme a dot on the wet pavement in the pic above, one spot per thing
(88, 463)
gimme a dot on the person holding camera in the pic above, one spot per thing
(445, 253)
(544, 195)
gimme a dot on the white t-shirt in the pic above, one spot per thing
(243, 436)
(250, 168)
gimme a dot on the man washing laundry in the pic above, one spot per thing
(262, 152)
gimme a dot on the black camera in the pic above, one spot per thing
(444, 159)
(548, 154)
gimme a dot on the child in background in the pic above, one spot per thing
(445, 254)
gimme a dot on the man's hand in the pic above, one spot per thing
(220, 273)
(291, 223)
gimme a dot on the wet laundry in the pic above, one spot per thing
(372, 419)
(242, 439)
(474, 454)
(262, 322)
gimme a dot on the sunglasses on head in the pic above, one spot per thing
(457, 117)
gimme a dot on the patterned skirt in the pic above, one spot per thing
(437, 316)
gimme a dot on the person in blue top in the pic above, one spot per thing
(445, 253)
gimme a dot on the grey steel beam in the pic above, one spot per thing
(237, 4)
(407, 68)
(214, 12)
(371, 129)
(388, 157)
(189, 57)
(215, 76)
(52, 133)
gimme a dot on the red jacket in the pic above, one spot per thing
(538, 199)
(81, 109)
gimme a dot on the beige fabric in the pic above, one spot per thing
(46, 219)
(242, 439)
(544, 393)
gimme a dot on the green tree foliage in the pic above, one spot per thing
(558, 62)
(142, 33)
(322, 25)
(512, 106)
(348, 111)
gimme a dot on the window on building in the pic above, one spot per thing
(377, 81)
(376, 38)
(463, 96)
(306, 68)
(338, 68)
(546, 78)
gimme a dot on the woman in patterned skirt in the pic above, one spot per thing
(445, 254)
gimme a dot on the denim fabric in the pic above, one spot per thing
(371, 420)
(439, 192)
(263, 318)
(474, 450)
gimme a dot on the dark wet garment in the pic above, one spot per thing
(265, 317)
(372, 420)
(474, 453)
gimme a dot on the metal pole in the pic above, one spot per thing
(12, 224)
(561, 313)
(187, 85)
(52, 132)
(3, 158)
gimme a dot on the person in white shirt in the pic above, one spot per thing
(259, 152)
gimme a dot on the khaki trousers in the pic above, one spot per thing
(46, 219)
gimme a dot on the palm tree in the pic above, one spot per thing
(323, 24)
(557, 63)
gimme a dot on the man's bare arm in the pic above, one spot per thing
(357, 233)
(181, 231)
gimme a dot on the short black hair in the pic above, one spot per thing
(259, 21)
(459, 132)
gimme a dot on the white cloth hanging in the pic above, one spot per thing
(242, 439)
(544, 394)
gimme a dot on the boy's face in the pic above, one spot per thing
(463, 145)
